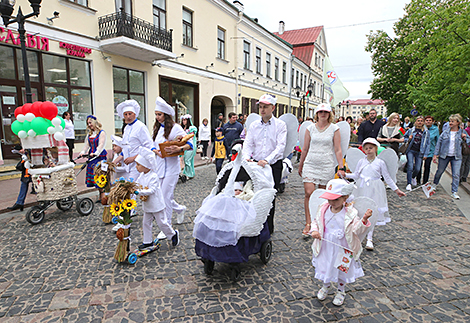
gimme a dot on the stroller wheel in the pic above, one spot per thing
(235, 273)
(35, 215)
(266, 251)
(208, 266)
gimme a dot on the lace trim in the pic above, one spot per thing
(315, 181)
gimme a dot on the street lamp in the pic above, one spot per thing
(6, 9)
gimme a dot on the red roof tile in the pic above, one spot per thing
(301, 36)
(304, 53)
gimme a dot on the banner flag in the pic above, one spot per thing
(333, 85)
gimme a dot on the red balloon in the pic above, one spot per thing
(48, 110)
(26, 108)
(35, 108)
(18, 111)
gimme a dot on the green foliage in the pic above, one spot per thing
(427, 64)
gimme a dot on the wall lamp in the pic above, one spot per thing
(209, 66)
(50, 20)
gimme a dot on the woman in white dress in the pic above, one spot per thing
(319, 156)
(69, 133)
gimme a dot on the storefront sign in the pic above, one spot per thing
(75, 50)
(61, 103)
(32, 41)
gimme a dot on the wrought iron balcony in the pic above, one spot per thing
(123, 34)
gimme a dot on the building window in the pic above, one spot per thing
(258, 60)
(220, 43)
(159, 13)
(284, 72)
(124, 4)
(276, 69)
(128, 84)
(316, 59)
(296, 78)
(314, 88)
(183, 96)
(292, 78)
(246, 55)
(82, 2)
(187, 27)
(301, 80)
(268, 65)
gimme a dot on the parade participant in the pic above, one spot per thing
(204, 137)
(449, 150)
(265, 144)
(153, 204)
(189, 155)
(317, 161)
(232, 130)
(69, 132)
(95, 141)
(433, 137)
(120, 169)
(337, 226)
(168, 169)
(136, 134)
(368, 173)
(390, 134)
(407, 124)
(370, 127)
(219, 150)
(417, 150)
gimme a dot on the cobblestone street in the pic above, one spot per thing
(63, 270)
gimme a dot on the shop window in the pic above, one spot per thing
(7, 63)
(159, 13)
(32, 65)
(82, 2)
(187, 27)
(183, 96)
(128, 84)
(55, 69)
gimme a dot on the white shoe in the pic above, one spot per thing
(369, 245)
(434, 186)
(161, 236)
(339, 298)
(414, 182)
(117, 226)
(323, 292)
(387, 187)
(455, 196)
(180, 216)
(408, 187)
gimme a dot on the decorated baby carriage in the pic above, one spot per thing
(39, 128)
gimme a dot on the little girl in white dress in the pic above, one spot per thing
(337, 227)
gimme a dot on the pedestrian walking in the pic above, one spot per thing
(370, 127)
(232, 130)
(204, 137)
(24, 180)
(407, 124)
(417, 150)
(391, 134)
(219, 150)
(433, 137)
(69, 131)
(336, 226)
(188, 157)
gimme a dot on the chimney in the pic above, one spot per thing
(239, 5)
(256, 20)
(282, 26)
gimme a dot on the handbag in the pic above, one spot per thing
(465, 149)
(199, 149)
(402, 149)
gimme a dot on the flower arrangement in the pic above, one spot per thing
(103, 171)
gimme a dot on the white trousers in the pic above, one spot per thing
(162, 222)
(168, 184)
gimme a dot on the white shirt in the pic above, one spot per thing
(204, 132)
(136, 135)
(69, 129)
(266, 141)
(169, 165)
(452, 144)
(155, 202)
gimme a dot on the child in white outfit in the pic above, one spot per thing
(153, 205)
(335, 226)
(121, 169)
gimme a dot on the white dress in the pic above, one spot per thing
(370, 185)
(319, 165)
(325, 267)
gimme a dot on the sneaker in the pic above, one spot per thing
(434, 186)
(339, 298)
(408, 187)
(455, 196)
(117, 226)
(323, 292)
(161, 236)
(145, 245)
(180, 216)
(369, 245)
(414, 182)
(175, 240)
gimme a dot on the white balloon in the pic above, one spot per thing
(31, 133)
(22, 134)
(51, 130)
(21, 118)
(56, 121)
(30, 116)
(59, 128)
(59, 136)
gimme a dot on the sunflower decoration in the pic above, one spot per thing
(116, 209)
(129, 204)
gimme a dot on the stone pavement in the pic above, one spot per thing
(62, 270)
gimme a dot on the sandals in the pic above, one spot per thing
(339, 298)
(323, 292)
(306, 230)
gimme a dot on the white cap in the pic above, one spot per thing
(147, 158)
(267, 99)
(162, 106)
(126, 106)
(323, 107)
(371, 141)
(337, 188)
(116, 140)
(238, 186)
(186, 116)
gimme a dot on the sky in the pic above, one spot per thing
(346, 45)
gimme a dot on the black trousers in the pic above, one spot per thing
(277, 173)
(71, 144)
(205, 144)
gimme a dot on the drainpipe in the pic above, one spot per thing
(292, 56)
(240, 18)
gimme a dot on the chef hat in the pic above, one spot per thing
(126, 106)
(238, 186)
(162, 106)
(147, 158)
(116, 140)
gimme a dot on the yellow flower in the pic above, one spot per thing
(129, 204)
(97, 179)
(116, 209)
(103, 179)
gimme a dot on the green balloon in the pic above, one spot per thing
(380, 150)
(27, 126)
(16, 127)
(40, 125)
(62, 122)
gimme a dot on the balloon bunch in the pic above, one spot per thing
(38, 118)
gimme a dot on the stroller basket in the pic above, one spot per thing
(54, 183)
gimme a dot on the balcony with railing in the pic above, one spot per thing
(126, 35)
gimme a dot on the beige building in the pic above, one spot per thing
(356, 108)
(203, 56)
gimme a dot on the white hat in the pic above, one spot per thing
(323, 107)
(371, 140)
(116, 140)
(337, 188)
(147, 158)
(162, 106)
(238, 186)
(126, 106)
(267, 99)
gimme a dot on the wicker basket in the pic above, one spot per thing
(54, 183)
